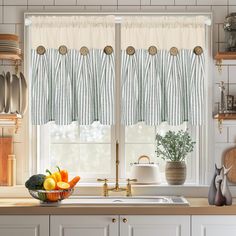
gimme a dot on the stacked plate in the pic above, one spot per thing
(13, 94)
(9, 44)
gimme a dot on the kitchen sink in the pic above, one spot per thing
(151, 200)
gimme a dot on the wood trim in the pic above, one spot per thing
(9, 56)
(225, 56)
(226, 116)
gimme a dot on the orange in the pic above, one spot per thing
(63, 185)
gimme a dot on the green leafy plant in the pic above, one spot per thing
(174, 146)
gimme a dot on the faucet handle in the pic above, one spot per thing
(105, 187)
(128, 187)
(131, 180)
(103, 180)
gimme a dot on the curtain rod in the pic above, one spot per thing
(118, 15)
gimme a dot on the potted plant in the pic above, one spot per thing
(173, 147)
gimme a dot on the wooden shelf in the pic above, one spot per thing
(9, 56)
(225, 116)
(225, 56)
(10, 120)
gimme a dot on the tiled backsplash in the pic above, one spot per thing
(11, 21)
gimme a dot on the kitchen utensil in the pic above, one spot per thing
(51, 196)
(11, 170)
(2, 93)
(23, 104)
(8, 91)
(145, 173)
(5, 150)
(229, 160)
(15, 95)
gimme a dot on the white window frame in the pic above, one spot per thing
(206, 142)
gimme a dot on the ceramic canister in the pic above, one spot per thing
(145, 173)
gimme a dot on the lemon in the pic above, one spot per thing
(49, 184)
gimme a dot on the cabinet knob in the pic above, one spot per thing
(125, 220)
(113, 220)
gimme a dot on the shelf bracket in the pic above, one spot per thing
(219, 65)
(220, 125)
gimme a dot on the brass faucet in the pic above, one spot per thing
(117, 188)
(127, 189)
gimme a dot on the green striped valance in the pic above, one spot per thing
(154, 87)
(72, 87)
(162, 87)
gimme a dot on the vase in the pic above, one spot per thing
(212, 189)
(225, 187)
(175, 172)
(219, 199)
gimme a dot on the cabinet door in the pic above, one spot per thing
(213, 225)
(91, 225)
(155, 225)
(22, 225)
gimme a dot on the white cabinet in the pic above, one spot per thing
(155, 225)
(130, 225)
(22, 225)
(213, 225)
(91, 225)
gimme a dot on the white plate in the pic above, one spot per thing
(23, 103)
(2, 93)
(15, 94)
(7, 94)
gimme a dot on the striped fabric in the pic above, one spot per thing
(196, 90)
(72, 87)
(152, 91)
(40, 109)
(107, 90)
(170, 88)
(129, 89)
(63, 91)
(173, 91)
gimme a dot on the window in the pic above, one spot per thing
(87, 150)
(90, 150)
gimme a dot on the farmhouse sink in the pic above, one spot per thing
(150, 200)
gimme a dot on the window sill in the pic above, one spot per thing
(95, 189)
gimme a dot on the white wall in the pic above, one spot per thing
(11, 21)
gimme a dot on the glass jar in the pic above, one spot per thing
(230, 32)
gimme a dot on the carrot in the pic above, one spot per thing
(74, 181)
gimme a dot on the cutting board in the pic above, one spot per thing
(230, 160)
(5, 150)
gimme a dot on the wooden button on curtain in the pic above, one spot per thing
(174, 51)
(198, 50)
(152, 50)
(41, 50)
(108, 50)
(62, 50)
(130, 50)
(84, 50)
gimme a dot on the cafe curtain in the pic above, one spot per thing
(73, 71)
(163, 69)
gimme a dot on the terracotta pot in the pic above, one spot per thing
(175, 172)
